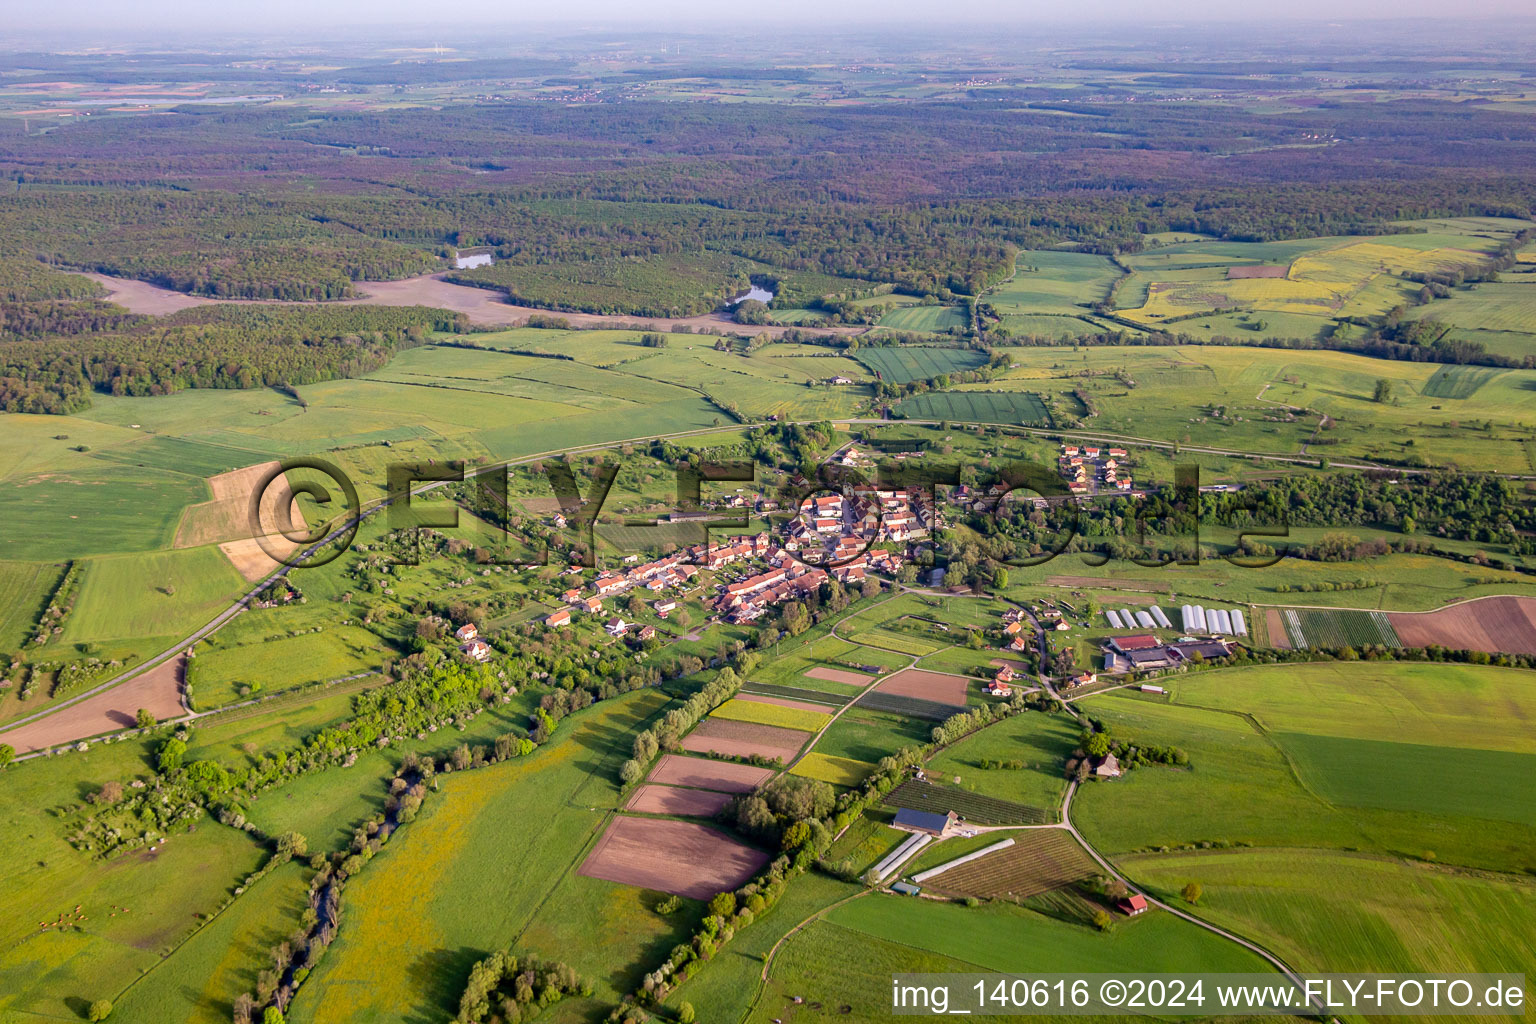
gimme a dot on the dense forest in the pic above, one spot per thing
(924, 196)
(211, 347)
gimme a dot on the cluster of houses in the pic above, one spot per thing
(673, 572)
(1144, 652)
(1092, 469)
(839, 528)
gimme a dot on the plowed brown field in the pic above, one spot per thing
(672, 856)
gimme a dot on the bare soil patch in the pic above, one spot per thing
(837, 675)
(940, 687)
(742, 739)
(483, 306)
(687, 803)
(1240, 273)
(671, 856)
(1274, 624)
(159, 690)
(725, 776)
(1504, 624)
(227, 516)
(143, 297)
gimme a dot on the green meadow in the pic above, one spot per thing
(490, 862)
(153, 594)
(1040, 742)
(1337, 911)
(845, 960)
(1404, 760)
(274, 663)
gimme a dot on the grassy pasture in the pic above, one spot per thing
(894, 642)
(1041, 742)
(453, 881)
(274, 664)
(918, 362)
(92, 507)
(1449, 781)
(860, 734)
(924, 319)
(1177, 389)
(44, 972)
(153, 594)
(1326, 277)
(1252, 780)
(222, 960)
(847, 958)
(27, 587)
(1054, 282)
(1486, 307)
(1457, 381)
(182, 455)
(1331, 911)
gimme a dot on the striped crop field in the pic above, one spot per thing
(1319, 627)
(893, 642)
(1016, 407)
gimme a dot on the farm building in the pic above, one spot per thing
(1144, 659)
(1149, 688)
(1135, 904)
(1134, 642)
(906, 888)
(926, 822)
(1207, 649)
(1109, 768)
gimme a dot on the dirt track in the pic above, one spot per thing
(159, 690)
(483, 306)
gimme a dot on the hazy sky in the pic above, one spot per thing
(296, 15)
